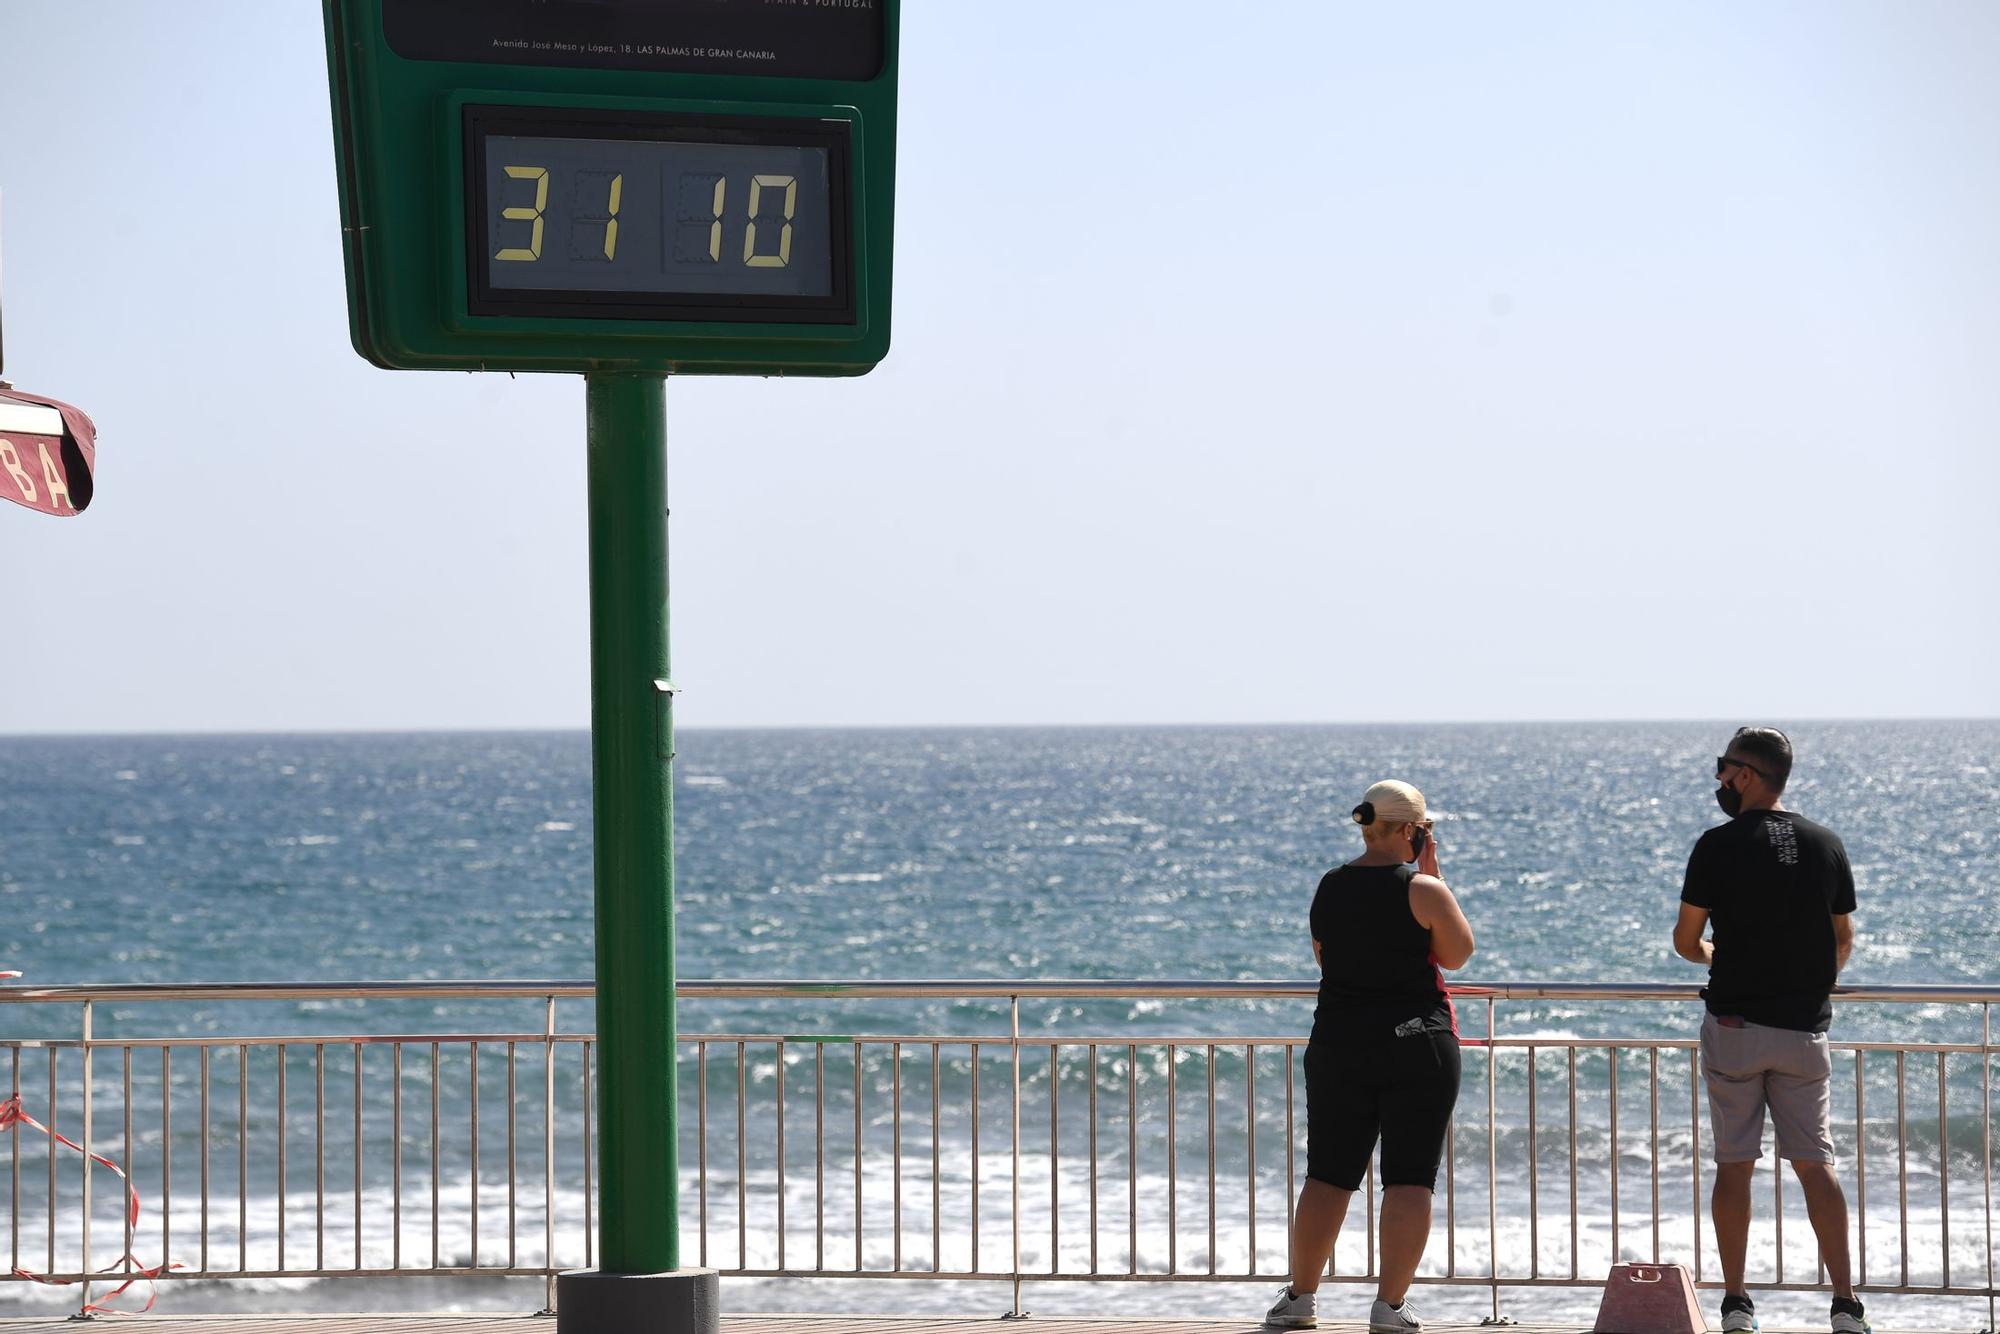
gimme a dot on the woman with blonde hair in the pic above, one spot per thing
(1383, 1060)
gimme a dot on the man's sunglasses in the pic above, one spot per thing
(1723, 762)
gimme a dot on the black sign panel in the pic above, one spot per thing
(799, 39)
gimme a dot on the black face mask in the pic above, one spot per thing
(1730, 800)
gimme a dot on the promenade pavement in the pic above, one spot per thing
(731, 1324)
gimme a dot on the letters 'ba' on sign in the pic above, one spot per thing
(1649, 1299)
(686, 186)
(47, 451)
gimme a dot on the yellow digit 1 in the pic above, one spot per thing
(715, 228)
(790, 184)
(611, 227)
(533, 250)
(698, 201)
(584, 216)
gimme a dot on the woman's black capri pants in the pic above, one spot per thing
(1398, 1089)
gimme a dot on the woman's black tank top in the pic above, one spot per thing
(1376, 970)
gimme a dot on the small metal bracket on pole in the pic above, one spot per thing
(663, 718)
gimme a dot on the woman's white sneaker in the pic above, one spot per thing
(1386, 1319)
(1293, 1310)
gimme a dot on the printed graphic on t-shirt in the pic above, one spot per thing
(1784, 841)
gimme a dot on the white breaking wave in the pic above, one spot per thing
(820, 1230)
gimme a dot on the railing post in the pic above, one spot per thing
(1492, 1169)
(88, 1009)
(1861, 1166)
(549, 1156)
(1694, 1127)
(1986, 1149)
(1611, 1073)
(1014, 1196)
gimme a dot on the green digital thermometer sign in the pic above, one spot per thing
(689, 186)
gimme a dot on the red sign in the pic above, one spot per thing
(47, 451)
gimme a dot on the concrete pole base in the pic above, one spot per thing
(685, 1301)
(1649, 1299)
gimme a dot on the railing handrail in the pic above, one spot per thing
(957, 989)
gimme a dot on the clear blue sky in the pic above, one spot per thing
(1283, 361)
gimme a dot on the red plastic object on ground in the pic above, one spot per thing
(1649, 1299)
(47, 452)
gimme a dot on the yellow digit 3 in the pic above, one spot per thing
(533, 250)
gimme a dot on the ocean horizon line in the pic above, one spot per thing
(224, 733)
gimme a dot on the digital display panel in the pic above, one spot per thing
(658, 220)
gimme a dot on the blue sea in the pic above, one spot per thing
(1113, 853)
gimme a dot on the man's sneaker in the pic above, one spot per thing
(1738, 1314)
(1849, 1317)
(1386, 1319)
(1293, 1310)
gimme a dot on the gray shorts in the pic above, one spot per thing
(1754, 1066)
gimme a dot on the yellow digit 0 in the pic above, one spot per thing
(533, 250)
(790, 184)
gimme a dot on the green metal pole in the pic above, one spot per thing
(632, 747)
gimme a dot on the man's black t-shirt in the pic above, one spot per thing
(1772, 883)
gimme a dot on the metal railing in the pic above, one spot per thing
(1088, 1156)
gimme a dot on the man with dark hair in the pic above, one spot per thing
(1779, 892)
(1769, 750)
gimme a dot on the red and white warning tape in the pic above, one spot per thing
(12, 1117)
